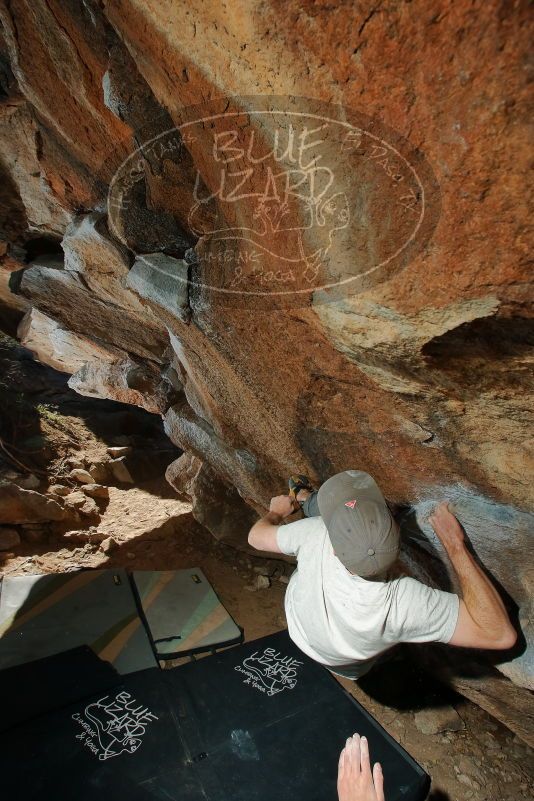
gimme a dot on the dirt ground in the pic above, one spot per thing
(145, 526)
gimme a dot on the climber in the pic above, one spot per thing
(342, 609)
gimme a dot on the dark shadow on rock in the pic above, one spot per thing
(46, 245)
(497, 657)
(419, 548)
(401, 683)
(476, 344)
(10, 318)
(312, 442)
(438, 795)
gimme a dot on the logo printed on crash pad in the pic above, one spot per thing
(113, 726)
(351, 504)
(270, 672)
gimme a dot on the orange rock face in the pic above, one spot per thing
(336, 197)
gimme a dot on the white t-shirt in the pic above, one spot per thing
(344, 621)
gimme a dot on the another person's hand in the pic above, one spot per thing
(446, 526)
(355, 782)
(282, 505)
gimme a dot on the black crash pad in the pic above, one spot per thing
(259, 722)
(44, 685)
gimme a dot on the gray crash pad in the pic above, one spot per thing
(42, 615)
(183, 613)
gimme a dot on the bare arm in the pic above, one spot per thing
(262, 535)
(482, 621)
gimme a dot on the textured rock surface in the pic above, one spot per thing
(19, 143)
(102, 263)
(421, 377)
(9, 538)
(163, 280)
(126, 381)
(444, 718)
(216, 503)
(61, 349)
(18, 505)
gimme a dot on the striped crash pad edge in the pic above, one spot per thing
(182, 613)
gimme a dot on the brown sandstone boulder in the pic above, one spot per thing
(18, 505)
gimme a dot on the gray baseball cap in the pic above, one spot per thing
(362, 531)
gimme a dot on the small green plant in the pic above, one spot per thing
(49, 412)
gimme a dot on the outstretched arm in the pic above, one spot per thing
(482, 621)
(262, 535)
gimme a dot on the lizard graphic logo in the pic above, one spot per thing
(117, 724)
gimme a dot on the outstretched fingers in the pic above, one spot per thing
(355, 751)
(364, 758)
(378, 779)
(341, 764)
(356, 781)
(343, 774)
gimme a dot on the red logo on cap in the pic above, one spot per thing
(351, 504)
